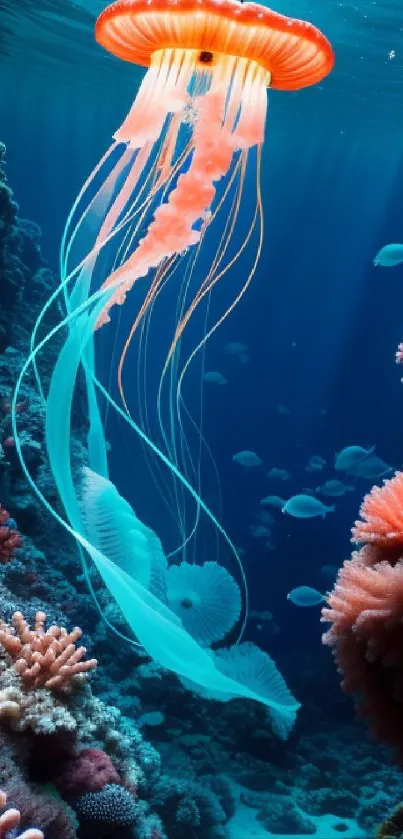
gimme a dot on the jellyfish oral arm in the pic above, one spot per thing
(229, 107)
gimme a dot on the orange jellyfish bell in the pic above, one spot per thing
(294, 52)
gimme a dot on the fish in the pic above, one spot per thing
(263, 616)
(315, 463)
(282, 409)
(151, 718)
(334, 488)
(348, 458)
(389, 256)
(306, 507)
(272, 501)
(259, 531)
(280, 474)
(265, 517)
(237, 349)
(329, 571)
(247, 459)
(214, 377)
(305, 596)
(371, 467)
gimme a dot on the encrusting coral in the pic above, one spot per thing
(44, 657)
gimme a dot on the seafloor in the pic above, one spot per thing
(127, 752)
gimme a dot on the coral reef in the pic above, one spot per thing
(10, 821)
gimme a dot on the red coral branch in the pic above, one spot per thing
(10, 539)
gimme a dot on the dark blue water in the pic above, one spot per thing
(320, 322)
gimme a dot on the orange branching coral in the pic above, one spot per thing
(44, 657)
(382, 515)
(10, 821)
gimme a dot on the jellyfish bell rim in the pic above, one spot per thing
(300, 57)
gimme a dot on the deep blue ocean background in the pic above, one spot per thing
(321, 323)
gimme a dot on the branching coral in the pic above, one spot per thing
(10, 821)
(44, 657)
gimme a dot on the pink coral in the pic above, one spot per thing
(399, 354)
(381, 514)
(44, 657)
(365, 612)
(10, 821)
(10, 539)
(88, 771)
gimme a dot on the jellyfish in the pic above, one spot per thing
(159, 224)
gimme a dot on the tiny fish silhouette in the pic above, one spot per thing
(265, 517)
(334, 488)
(281, 474)
(237, 349)
(215, 377)
(259, 531)
(247, 459)
(329, 571)
(315, 463)
(272, 501)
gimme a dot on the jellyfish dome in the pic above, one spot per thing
(159, 223)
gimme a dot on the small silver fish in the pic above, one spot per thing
(305, 596)
(247, 459)
(214, 377)
(389, 256)
(280, 474)
(306, 507)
